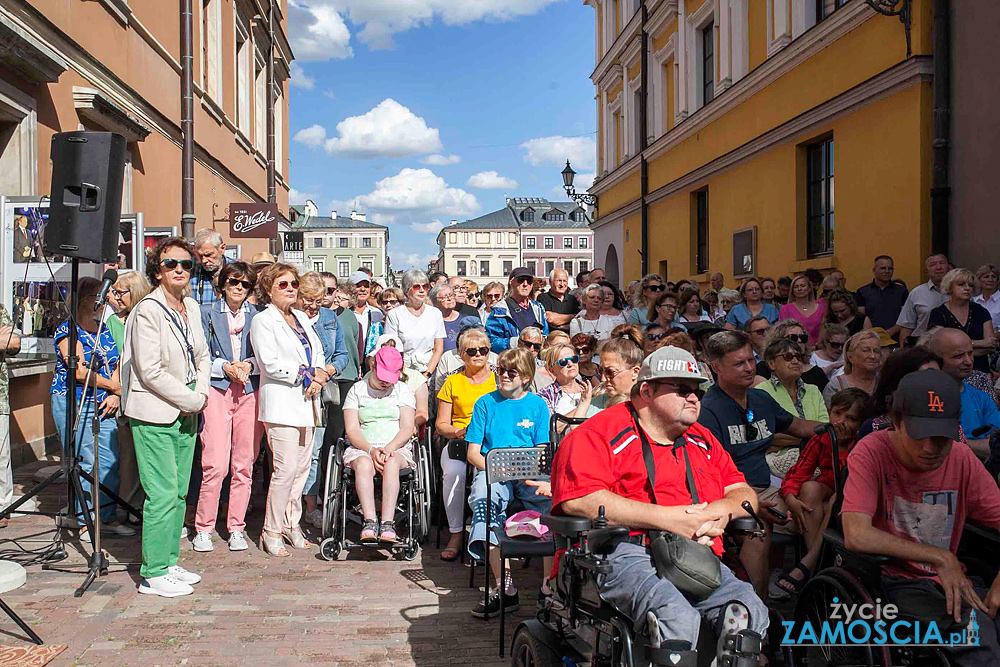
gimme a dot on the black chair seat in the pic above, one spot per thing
(523, 547)
(566, 525)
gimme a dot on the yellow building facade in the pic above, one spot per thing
(781, 135)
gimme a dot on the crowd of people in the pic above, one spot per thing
(203, 360)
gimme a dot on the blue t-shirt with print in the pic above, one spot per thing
(503, 422)
(106, 359)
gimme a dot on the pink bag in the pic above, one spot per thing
(527, 523)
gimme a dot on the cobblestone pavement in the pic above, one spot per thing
(253, 609)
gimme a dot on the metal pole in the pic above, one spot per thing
(643, 137)
(187, 119)
(941, 145)
(271, 176)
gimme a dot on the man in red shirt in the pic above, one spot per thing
(908, 494)
(601, 464)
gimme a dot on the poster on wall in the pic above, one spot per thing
(253, 221)
(294, 247)
(745, 252)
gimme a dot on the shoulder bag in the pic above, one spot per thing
(693, 568)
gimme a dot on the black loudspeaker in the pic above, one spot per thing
(85, 208)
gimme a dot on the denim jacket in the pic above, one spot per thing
(331, 334)
(215, 323)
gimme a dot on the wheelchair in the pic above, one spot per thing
(852, 577)
(341, 505)
(576, 626)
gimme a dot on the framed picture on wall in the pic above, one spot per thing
(745, 252)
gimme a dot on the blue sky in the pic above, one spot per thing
(424, 111)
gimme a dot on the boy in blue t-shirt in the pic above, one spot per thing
(508, 417)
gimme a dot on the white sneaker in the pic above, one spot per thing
(315, 518)
(182, 575)
(237, 542)
(166, 586)
(202, 541)
(184, 532)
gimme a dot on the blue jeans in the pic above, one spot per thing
(634, 588)
(501, 493)
(107, 439)
(312, 481)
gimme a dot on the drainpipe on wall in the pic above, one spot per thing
(271, 177)
(643, 134)
(187, 120)
(941, 144)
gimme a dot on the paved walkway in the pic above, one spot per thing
(253, 609)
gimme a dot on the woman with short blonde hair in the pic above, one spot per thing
(862, 361)
(961, 312)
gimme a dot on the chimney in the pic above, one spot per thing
(363, 217)
(454, 222)
(333, 214)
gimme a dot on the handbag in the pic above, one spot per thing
(692, 567)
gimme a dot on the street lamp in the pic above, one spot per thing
(568, 175)
(904, 11)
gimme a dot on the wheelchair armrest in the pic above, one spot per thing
(836, 539)
(743, 525)
(604, 540)
(569, 526)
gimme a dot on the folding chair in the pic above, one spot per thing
(509, 465)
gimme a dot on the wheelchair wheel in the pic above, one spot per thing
(528, 651)
(410, 552)
(424, 495)
(330, 548)
(332, 481)
(813, 607)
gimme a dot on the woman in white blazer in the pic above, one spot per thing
(291, 361)
(165, 375)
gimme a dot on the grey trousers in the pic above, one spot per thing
(634, 589)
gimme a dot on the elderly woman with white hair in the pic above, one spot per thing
(590, 320)
(418, 326)
(961, 312)
(987, 277)
(443, 298)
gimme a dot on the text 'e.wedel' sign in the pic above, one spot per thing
(253, 221)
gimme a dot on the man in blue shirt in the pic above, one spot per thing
(978, 409)
(505, 418)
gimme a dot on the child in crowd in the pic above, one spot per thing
(809, 496)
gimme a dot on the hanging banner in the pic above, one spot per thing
(253, 221)
(294, 246)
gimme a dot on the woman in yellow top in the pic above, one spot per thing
(456, 399)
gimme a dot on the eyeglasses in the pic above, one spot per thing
(566, 361)
(801, 339)
(528, 343)
(236, 282)
(509, 373)
(459, 289)
(668, 305)
(659, 336)
(285, 283)
(656, 288)
(791, 356)
(420, 287)
(330, 290)
(477, 351)
(170, 264)
(120, 292)
(681, 390)
(391, 302)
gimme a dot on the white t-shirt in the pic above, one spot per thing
(378, 411)
(817, 360)
(417, 334)
(599, 328)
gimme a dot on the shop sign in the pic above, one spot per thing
(253, 221)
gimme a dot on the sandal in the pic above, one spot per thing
(369, 532)
(387, 533)
(786, 585)
(449, 554)
(273, 546)
(296, 538)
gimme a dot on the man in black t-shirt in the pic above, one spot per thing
(560, 306)
(745, 420)
(461, 292)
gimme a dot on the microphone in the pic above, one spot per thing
(110, 278)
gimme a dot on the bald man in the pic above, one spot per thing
(461, 291)
(560, 306)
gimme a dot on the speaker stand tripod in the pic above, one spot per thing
(71, 468)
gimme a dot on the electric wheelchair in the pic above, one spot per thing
(342, 507)
(576, 626)
(850, 578)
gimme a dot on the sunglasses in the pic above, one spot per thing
(420, 287)
(171, 264)
(566, 361)
(656, 288)
(533, 346)
(659, 336)
(681, 390)
(473, 295)
(236, 282)
(509, 373)
(285, 283)
(610, 374)
(391, 302)
(524, 279)
(583, 351)
(791, 356)
(801, 339)
(477, 351)
(330, 290)
(836, 345)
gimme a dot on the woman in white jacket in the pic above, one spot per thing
(292, 375)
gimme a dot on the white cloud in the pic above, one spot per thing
(491, 180)
(299, 77)
(418, 192)
(581, 151)
(412, 260)
(441, 160)
(329, 94)
(313, 136)
(297, 198)
(432, 227)
(388, 130)
(317, 31)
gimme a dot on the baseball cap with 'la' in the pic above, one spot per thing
(931, 404)
(670, 363)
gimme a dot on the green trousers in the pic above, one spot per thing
(164, 453)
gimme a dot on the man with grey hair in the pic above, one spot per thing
(745, 420)
(560, 306)
(210, 251)
(461, 297)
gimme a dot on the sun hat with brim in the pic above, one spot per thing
(388, 364)
(931, 404)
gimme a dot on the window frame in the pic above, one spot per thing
(567, 242)
(343, 268)
(366, 242)
(706, 62)
(549, 243)
(702, 229)
(825, 182)
(343, 242)
(529, 242)
(484, 263)
(461, 267)
(317, 242)
(584, 243)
